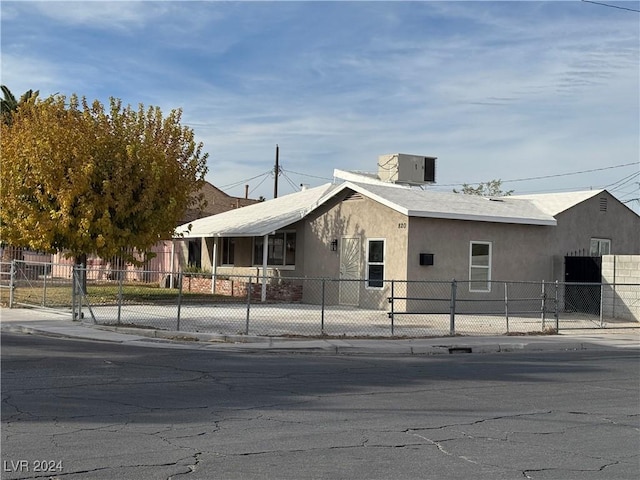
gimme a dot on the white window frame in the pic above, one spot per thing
(473, 267)
(368, 285)
(598, 243)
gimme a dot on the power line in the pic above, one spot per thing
(261, 182)
(551, 176)
(307, 175)
(286, 177)
(612, 6)
(622, 181)
(235, 184)
(571, 173)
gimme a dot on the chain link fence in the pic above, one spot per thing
(36, 284)
(309, 307)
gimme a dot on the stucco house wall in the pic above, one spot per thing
(602, 216)
(519, 252)
(351, 215)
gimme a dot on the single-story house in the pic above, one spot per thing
(377, 231)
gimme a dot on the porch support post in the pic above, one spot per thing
(265, 253)
(214, 266)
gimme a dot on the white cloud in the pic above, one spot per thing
(494, 89)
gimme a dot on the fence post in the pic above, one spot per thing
(542, 308)
(44, 289)
(601, 301)
(557, 316)
(391, 301)
(180, 279)
(322, 312)
(452, 312)
(249, 288)
(506, 304)
(120, 295)
(74, 297)
(12, 282)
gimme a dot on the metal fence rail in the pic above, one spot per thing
(282, 306)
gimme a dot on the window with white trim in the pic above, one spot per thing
(599, 247)
(480, 267)
(281, 249)
(375, 263)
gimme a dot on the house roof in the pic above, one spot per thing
(258, 219)
(266, 217)
(555, 203)
(415, 202)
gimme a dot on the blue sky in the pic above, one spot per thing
(495, 90)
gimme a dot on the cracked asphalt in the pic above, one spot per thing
(74, 409)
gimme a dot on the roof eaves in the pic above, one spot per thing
(366, 192)
(483, 218)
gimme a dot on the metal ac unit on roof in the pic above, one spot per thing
(409, 169)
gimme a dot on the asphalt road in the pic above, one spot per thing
(89, 410)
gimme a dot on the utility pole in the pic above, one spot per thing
(276, 172)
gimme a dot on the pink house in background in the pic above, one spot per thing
(164, 261)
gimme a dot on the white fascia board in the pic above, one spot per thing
(482, 218)
(361, 189)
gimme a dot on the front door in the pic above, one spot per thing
(350, 271)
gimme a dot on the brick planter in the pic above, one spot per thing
(283, 292)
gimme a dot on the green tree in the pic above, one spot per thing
(9, 105)
(492, 188)
(80, 179)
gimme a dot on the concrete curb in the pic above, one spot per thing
(327, 346)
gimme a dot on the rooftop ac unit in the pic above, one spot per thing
(409, 169)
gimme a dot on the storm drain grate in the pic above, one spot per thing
(453, 350)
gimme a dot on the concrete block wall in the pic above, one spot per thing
(621, 287)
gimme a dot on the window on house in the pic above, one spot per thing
(599, 247)
(195, 253)
(228, 251)
(480, 267)
(281, 249)
(375, 263)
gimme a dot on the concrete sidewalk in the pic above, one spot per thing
(40, 322)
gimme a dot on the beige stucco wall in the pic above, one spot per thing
(519, 252)
(578, 225)
(362, 218)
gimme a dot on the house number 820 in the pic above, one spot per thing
(402, 225)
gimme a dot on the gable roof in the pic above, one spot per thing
(415, 202)
(555, 203)
(258, 219)
(266, 217)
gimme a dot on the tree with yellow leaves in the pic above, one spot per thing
(79, 179)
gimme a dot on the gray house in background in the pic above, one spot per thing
(376, 231)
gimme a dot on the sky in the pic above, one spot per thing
(541, 95)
